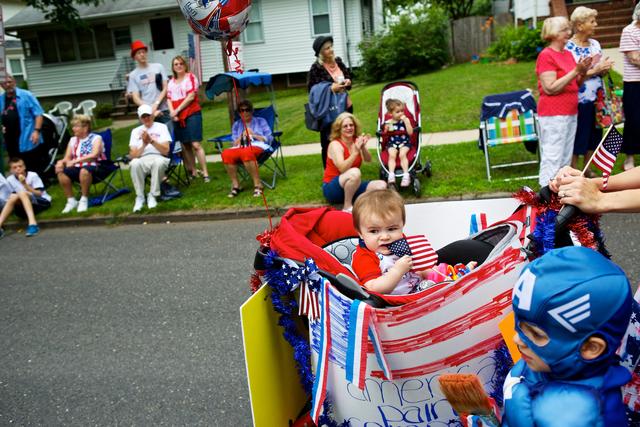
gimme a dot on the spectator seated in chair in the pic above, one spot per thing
(149, 151)
(80, 163)
(248, 143)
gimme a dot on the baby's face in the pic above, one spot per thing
(378, 232)
(397, 114)
(539, 338)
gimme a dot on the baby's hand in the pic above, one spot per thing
(404, 264)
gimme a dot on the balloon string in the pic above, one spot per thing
(238, 69)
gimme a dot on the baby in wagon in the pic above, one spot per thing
(382, 261)
(398, 130)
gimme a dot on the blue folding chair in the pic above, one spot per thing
(176, 169)
(104, 183)
(272, 158)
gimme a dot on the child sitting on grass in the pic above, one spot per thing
(379, 217)
(27, 198)
(398, 129)
(572, 307)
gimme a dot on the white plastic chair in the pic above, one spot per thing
(86, 107)
(61, 109)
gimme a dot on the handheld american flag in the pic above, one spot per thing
(605, 156)
(418, 248)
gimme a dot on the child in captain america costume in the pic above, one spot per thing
(572, 307)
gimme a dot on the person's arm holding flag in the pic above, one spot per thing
(622, 194)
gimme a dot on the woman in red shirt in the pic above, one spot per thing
(559, 78)
(342, 180)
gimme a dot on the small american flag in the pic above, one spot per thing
(605, 156)
(418, 248)
(195, 64)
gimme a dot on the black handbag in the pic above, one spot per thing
(311, 122)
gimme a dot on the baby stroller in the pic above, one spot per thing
(407, 92)
(55, 137)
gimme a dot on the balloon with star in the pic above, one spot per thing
(216, 19)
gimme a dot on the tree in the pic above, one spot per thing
(61, 11)
(456, 9)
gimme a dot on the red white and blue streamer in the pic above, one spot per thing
(322, 368)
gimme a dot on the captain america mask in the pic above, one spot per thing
(571, 294)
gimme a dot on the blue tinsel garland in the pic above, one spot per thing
(545, 233)
(286, 306)
(504, 363)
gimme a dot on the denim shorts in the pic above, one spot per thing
(97, 172)
(191, 132)
(334, 193)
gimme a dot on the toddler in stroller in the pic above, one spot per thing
(399, 130)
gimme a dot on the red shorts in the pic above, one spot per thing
(231, 156)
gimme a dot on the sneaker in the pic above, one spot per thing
(1, 232)
(139, 204)
(71, 205)
(206, 179)
(151, 201)
(391, 179)
(83, 205)
(32, 230)
(406, 180)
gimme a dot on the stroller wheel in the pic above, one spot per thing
(427, 169)
(417, 187)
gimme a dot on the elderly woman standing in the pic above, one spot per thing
(328, 68)
(630, 47)
(581, 45)
(342, 181)
(80, 163)
(559, 78)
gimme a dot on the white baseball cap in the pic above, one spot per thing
(144, 109)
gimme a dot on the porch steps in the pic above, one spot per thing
(123, 109)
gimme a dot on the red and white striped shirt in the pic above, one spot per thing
(629, 42)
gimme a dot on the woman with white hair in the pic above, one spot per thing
(630, 47)
(559, 77)
(588, 136)
(328, 68)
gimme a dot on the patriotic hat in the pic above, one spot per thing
(136, 46)
(573, 293)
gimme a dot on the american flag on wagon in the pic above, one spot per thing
(605, 156)
(418, 248)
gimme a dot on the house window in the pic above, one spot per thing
(122, 36)
(15, 67)
(161, 34)
(320, 17)
(62, 46)
(253, 33)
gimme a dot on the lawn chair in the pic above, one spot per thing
(176, 169)
(86, 107)
(509, 118)
(104, 182)
(61, 109)
(271, 159)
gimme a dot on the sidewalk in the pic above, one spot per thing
(436, 138)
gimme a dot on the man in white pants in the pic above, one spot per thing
(148, 149)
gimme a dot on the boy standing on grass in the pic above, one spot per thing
(27, 197)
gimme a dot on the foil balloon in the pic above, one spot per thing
(216, 19)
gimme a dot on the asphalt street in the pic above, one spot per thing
(139, 324)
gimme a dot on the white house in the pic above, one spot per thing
(94, 61)
(13, 49)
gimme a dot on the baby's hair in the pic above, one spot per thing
(393, 103)
(382, 203)
(15, 160)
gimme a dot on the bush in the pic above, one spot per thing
(103, 111)
(413, 45)
(521, 43)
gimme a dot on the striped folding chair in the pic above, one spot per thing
(508, 119)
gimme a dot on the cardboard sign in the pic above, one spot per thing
(274, 388)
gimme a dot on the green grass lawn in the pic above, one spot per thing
(458, 169)
(450, 100)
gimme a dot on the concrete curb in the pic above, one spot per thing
(220, 215)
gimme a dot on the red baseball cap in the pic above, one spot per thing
(136, 46)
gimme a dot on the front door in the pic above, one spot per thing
(162, 46)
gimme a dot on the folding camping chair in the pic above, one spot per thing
(176, 169)
(509, 118)
(272, 158)
(104, 183)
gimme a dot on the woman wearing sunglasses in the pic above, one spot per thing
(251, 136)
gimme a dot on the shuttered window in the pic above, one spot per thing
(320, 17)
(254, 33)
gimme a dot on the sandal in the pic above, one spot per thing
(257, 191)
(234, 192)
